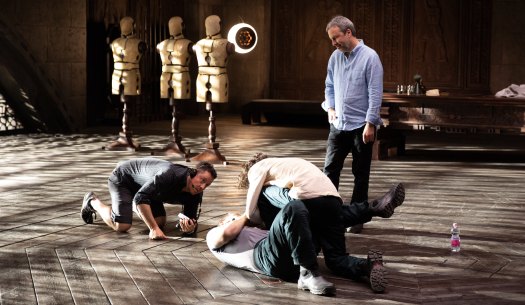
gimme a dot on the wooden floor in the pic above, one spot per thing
(49, 256)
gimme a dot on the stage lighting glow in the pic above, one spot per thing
(243, 36)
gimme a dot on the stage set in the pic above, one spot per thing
(49, 256)
(212, 84)
(457, 166)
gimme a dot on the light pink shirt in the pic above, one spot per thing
(304, 179)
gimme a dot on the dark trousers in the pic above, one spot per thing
(289, 244)
(273, 198)
(328, 218)
(339, 144)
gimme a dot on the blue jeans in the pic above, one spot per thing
(339, 144)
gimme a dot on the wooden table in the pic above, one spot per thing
(447, 113)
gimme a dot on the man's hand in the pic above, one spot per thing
(144, 212)
(331, 115)
(369, 133)
(187, 225)
(156, 234)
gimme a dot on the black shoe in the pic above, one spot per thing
(356, 229)
(314, 282)
(87, 211)
(384, 206)
(377, 272)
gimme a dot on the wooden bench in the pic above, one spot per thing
(282, 110)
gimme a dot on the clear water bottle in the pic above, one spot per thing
(455, 241)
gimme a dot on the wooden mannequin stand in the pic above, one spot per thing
(211, 153)
(174, 146)
(125, 140)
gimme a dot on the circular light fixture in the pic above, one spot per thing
(243, 36)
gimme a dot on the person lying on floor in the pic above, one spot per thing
(288, 248)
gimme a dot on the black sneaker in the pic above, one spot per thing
(384, 206)
(377, 274)
(87, 211)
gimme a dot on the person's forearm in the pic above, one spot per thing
(222, 235)
(233, 229)
(147, 216)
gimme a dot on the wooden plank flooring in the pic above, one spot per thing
(49, 256)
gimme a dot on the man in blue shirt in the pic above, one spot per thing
(353, 95)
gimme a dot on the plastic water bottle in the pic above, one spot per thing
(455, 241)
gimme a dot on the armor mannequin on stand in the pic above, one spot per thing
(127, 51)
(212, 81)
(175, 53)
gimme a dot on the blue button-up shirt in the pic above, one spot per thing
(354, 87)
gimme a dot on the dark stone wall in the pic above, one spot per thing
(55, 33)
(290, 59)
(508, 44)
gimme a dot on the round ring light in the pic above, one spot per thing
(244, 37)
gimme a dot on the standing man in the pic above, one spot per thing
(353, 95)
(143, 185)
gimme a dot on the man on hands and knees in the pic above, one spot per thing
(143, 185)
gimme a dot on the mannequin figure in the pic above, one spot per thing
(212, 57)
(212, 80)
(127, 51)
(175, 53)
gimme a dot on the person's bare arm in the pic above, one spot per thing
(145, 214)
(225, 233)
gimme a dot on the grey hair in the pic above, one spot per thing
(342, 23)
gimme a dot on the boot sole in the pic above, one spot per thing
(378, 280)
(399, 197)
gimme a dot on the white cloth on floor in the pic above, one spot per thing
(512, 91)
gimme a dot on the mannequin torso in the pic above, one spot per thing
(175, 57)
(127, 52)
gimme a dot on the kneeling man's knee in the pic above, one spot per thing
(122, 227)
